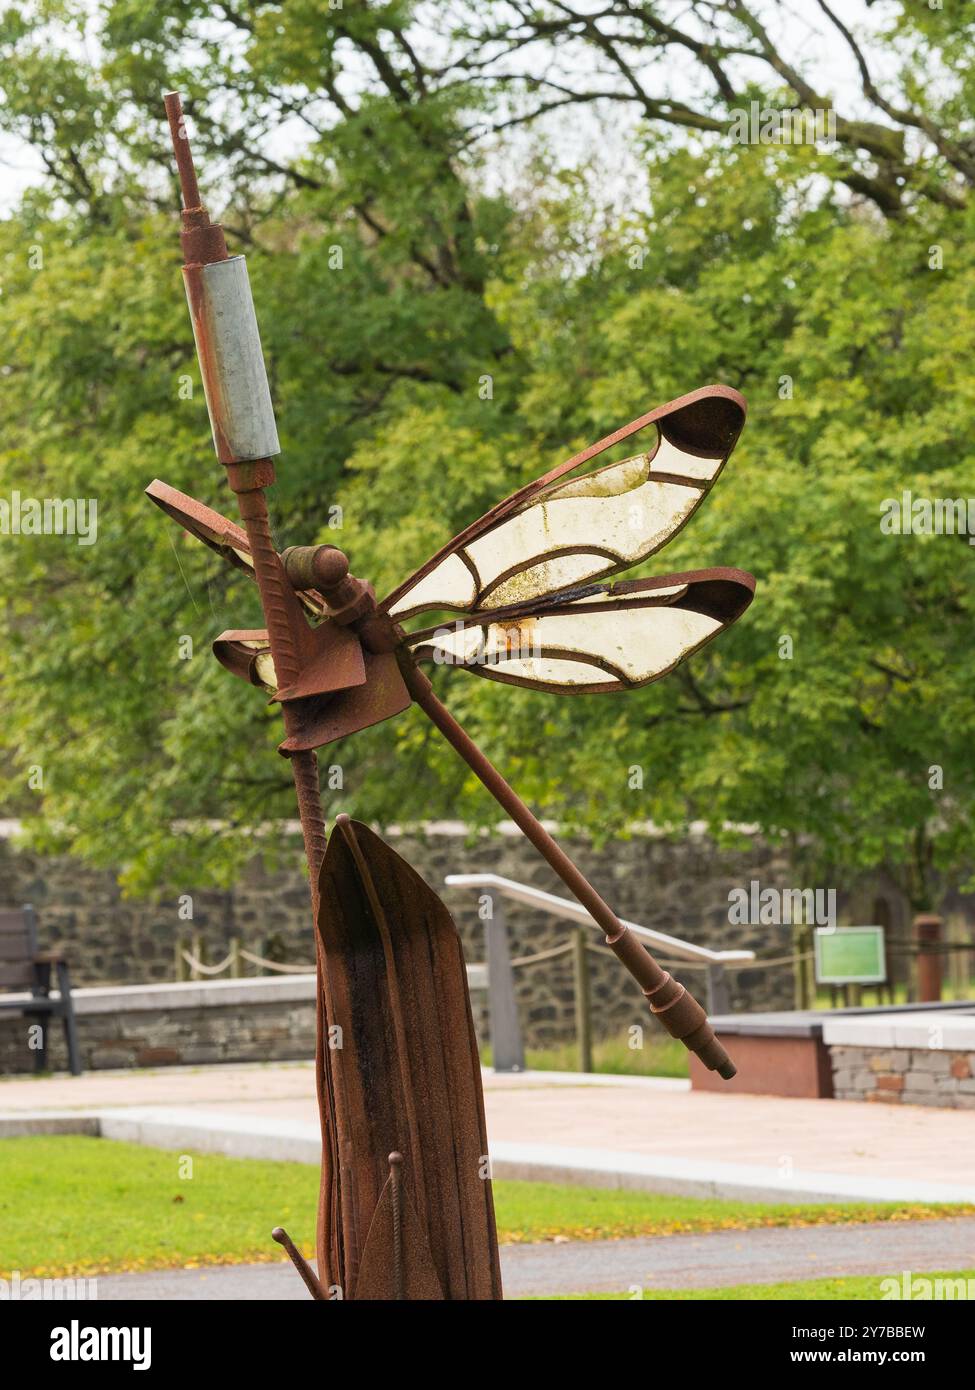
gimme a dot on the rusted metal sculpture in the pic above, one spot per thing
(403, 1213)
(409, 1208)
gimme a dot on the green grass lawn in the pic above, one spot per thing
(73, 1205)
(532, 1211)
(871, 995)
(660, 1055)
(867, 1286)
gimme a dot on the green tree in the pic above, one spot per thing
(356, 155)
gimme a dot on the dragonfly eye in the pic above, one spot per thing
(321, 567)
(709, 425)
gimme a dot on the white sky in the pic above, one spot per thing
(806, 39)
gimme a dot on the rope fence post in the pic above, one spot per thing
(927, 926)
(958, 960)
(804, 977)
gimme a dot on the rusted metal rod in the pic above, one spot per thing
(239, 423)
(396, 1199)
(678, 1011)
(181, 148)
(300, 1263)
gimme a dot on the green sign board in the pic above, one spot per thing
(850, 956)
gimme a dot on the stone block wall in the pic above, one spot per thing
(116, 1036)
(680, 888)
(905, 1076)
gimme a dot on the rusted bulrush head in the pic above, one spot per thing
(228, 342)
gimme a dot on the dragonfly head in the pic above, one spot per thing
(326, 568)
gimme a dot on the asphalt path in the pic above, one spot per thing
(887, 1248)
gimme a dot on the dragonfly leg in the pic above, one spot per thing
(300, 1263)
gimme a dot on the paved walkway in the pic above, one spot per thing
(611, 1131)
(619, 1266)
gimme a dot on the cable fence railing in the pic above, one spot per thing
(495, 974)
(191, 962)
(507, 1046)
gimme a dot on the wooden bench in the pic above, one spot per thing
(23, 966)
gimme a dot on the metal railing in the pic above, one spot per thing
(507, 1048)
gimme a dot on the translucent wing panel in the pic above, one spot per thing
(450, 585)
(556, 534)
(550, 673)
(572, 532)
(610, 520)
(669, 459)
(629, 648)
(615, 638)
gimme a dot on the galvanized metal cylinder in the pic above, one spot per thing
(228, 345)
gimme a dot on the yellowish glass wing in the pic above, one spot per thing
(559, 533)
(609, 637)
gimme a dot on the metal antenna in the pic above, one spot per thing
(395, 1192)
(182, 151)
(203, 241)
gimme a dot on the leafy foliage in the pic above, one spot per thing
(437, 334)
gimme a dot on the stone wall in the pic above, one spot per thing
(905, 1076)
(679, 888)
(267, 1020)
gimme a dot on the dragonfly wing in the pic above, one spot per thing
(606, 637)
(246, 652)
(556, 533)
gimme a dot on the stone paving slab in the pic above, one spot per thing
(617, 1131)
(255, 1081)
(158, 1086)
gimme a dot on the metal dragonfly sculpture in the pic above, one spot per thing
(531, 585)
